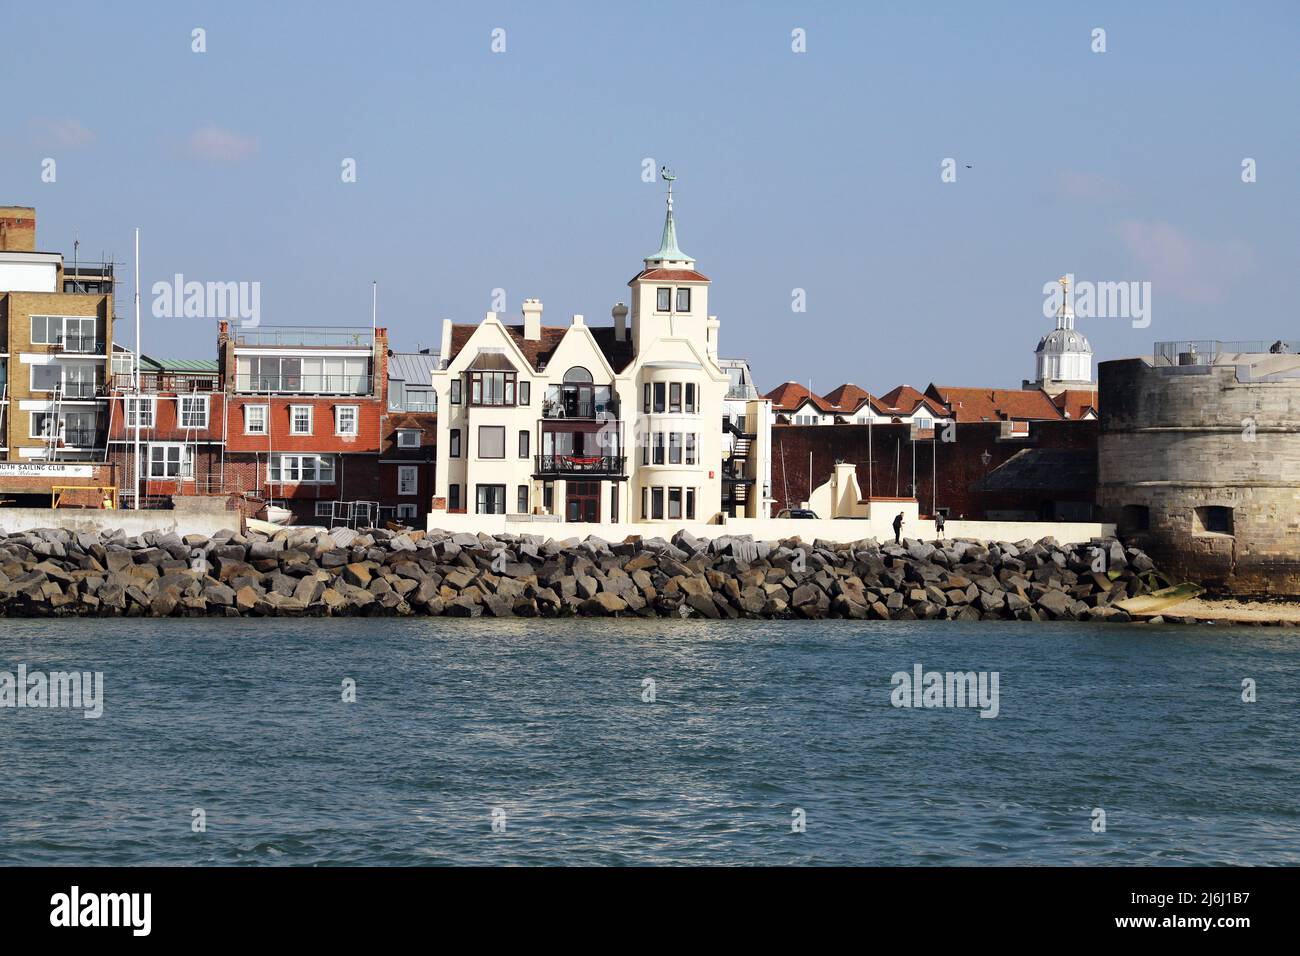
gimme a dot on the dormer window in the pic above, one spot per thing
(492, 388)
(492, 380)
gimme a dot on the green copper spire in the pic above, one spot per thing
(668, 244)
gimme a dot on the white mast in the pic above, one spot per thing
(135, 478)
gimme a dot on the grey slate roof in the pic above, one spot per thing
(411, 367)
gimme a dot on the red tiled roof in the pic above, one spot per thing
(1074, 403)
(904, 400)
(995, 404)
(538, 352)
(847, 397)
(670, 275)
(790, 395)
(425, 422)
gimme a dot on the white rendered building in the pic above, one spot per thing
(597, 424)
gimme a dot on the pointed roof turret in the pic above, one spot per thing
(669, 255)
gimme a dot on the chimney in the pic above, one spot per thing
(532, 320)
(444, 354)
(619, 312)
(17, 229)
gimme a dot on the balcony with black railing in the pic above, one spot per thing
(566, 465)
(80, 344)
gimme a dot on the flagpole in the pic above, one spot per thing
(135, 478)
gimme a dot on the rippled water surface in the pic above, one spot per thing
(545, 721)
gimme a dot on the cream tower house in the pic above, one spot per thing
(608, 424)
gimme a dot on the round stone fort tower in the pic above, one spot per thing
(1199, 461)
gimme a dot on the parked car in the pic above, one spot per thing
(796, 513)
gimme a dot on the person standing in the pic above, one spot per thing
(938, 524)
(898, 529)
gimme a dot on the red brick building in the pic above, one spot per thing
(305, 419)
(180, 414)
(408, 456)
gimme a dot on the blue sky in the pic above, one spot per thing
(818, 171)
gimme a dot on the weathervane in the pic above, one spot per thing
(669, 177)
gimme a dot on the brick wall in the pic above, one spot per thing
(956, 464)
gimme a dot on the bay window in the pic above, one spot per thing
(301, 469)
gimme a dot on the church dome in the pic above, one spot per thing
(1059, 341)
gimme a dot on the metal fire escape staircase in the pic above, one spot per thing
(735, 478)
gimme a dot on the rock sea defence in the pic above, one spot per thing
(315, 572)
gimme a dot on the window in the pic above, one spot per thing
(345, 420)
(301, 469)
(521, 502)
(414, 399)
(77, 380)
(74, 429)
(74, 333)
(490, 499)
(492, 388)
(408, 438)
(675, 449)
(523, 443)
(690, 448)
(613, 501)
(645, 506)
(139, 412)
(325, 509)
(691, 405)
(525, 392)
(455, 391)
(657, 503)
(1135, 518)
(170, 461)
(674, 503)
(455, 443)
(408, 479)
(407, 511)
(311, 375)
(683, 300)
(491, 443)
(1213, 519)
(453, 498)
(690, 504)
(659, 396)
(194, 411)
(675, 397)
(659, 448)
(299, 419)
(548, 496)
(663, 300)
(924, 423)
(46, 378)
(254, 419)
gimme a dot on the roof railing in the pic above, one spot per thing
(1209, 351)
(304, 335)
